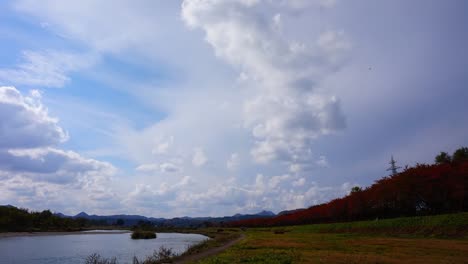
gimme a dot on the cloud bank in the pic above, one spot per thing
(284, 111)
(33, 169)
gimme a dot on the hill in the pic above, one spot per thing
(420, 190)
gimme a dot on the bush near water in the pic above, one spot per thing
(139, 234)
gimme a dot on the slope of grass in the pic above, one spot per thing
(441, 226)
(399, 240)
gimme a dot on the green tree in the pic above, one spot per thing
(120, 222)
(460, 154)
(356, 189)
(443, 157)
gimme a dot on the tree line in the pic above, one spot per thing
(14, 219)
(420, 190)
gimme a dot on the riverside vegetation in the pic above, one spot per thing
(162, 255)
(141, 234)
(14, 219)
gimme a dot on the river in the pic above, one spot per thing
(74, 248)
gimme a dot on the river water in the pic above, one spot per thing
(73, 249)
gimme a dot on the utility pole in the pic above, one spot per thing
(393, 167)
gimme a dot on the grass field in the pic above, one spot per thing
(431, 239)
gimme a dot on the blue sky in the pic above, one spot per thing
(211, 108)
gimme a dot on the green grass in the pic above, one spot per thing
(267, 257)
(429, 239)
(440, 226)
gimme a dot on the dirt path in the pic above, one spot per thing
(209, 252)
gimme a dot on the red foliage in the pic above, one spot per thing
(423, 189)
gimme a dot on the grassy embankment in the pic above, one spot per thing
(428, 239)
(218, 237)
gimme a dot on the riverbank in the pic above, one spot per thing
(427, 239)
(207, 252)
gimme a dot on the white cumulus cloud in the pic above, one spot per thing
(26, 122)
(285, 112)
(32, 165)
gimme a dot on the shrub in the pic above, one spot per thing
(97, 259)
(163, 255)
(143, 235)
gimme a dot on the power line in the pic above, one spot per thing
(393, 167)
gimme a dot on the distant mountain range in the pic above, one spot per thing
(184, 222)
(130, 220)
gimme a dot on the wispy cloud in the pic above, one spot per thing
(46, 68)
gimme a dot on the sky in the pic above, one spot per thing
(217, 107)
